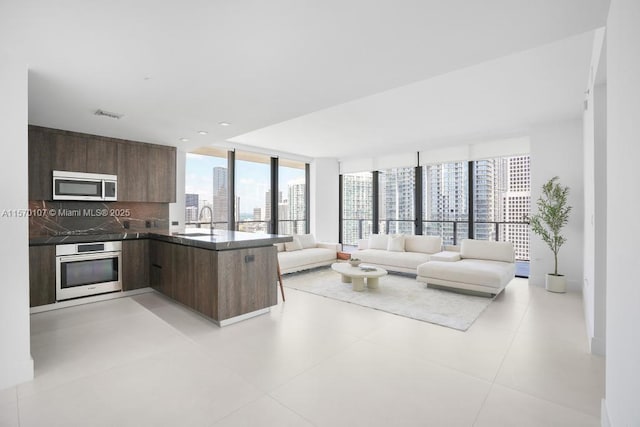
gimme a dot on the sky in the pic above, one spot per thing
(252, 180)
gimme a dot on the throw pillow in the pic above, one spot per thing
(396, 243)
(378, 241)
(293, 246)
(307, 240)
(280, 247)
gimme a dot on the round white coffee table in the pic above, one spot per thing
(356, 276)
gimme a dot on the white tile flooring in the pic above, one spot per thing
(146, 361)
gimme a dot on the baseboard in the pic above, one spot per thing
(19, 373)
(598, 346)
(88, 300)
(604, 415)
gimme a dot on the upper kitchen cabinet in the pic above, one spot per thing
(146, 172)
(133, 169)
(162, 175)
(41, 151)
(102, 156)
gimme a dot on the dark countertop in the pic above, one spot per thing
(220, 241)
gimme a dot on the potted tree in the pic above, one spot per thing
(552, 216)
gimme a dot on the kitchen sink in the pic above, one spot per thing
(193, 234)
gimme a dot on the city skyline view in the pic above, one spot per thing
(502, 194)
(251, 186)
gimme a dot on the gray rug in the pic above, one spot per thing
(397, 294)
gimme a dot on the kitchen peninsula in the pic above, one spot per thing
(226, 276)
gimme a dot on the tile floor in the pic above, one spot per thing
(146, 361)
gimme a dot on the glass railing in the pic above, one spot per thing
(220, 225)
(292, 226)
(254, 226)
(355, 229)
(451, 232)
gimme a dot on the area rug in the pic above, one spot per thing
(397, 294)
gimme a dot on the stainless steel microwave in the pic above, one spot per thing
(84, 186)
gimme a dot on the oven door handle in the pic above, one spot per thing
(88, 256)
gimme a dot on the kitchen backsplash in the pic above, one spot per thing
(70, 218)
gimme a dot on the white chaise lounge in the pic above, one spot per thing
(481, 265)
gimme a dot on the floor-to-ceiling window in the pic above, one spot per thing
(396, 200)
(357, 206)
(502, 201)
(292, 205)
(445, 203)
(252, 192)
(206, 189)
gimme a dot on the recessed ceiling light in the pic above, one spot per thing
(184, 139)
(224, 124)
(203, 132)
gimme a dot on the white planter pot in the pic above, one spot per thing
(555, 283)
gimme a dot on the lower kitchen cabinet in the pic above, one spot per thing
(135, 264)
(42, 275)
(218, 284)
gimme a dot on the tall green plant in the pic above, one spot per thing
(553, 214)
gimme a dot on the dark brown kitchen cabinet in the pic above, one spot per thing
(41, 149)
(246, 280)
(186, 274)
(218, 284)
(146, 172)
(133, 171)
(135, 264)
(70, 152)
(162, 175)
(102, 156)
(42, 275)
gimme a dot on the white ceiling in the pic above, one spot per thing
(174, 68)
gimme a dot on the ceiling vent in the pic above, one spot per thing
(108, 114)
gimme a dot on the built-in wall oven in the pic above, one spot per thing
(84, 269)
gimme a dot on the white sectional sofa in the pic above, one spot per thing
(305, 253)
(481, 265)
(400, 253)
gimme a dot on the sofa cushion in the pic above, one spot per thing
(307, 240)
(396, 243)
(487, 250)
(495, 274)
(289, 260)
(409, 260)
(423, 244)
(363, 244)
(378, 241)
(295, 245)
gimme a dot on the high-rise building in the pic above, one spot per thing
(220, 196)
(446, 201)
(516, 204)
(397, 200)
(297, 206)
(267, 204)
(356, 207)
(191, 205)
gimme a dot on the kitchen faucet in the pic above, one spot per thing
(210, 217)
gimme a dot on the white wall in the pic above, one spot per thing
(621, 406)
(556, 150)
(595, 237)
(598, 340)
(176, 210)
(324, 209)
(16, 365)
